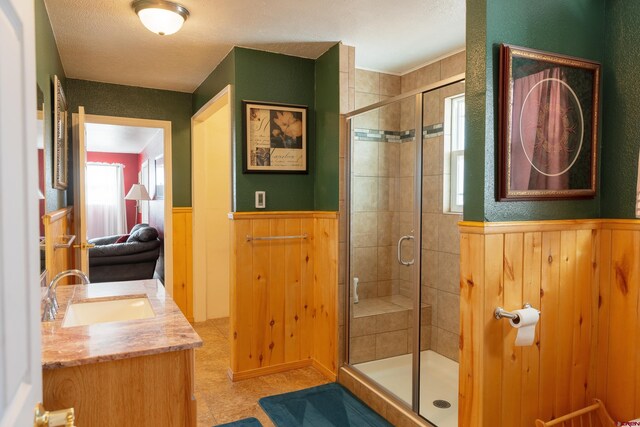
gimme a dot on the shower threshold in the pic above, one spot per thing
(438, 382)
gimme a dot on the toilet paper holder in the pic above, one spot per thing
(501, 313)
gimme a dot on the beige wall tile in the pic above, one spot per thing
(449, 240)
(364, 265)
(390, 116)
(408, 82)
(352, 98)
(360, 326)
(385, 257)
(431, 194)
(407, 159)
(365, 158)
(405, 194)
(430, 231)
(367, 290)
(364, 229)
(352, 67)
(433, 155)
(430, 297)
(449, 312)
(342, 264)
(454, 64)
(344, 58)
(367, 81)
(448, 272)
(448, 344)
(385, 288)
(385, 229)
(429, 267)
(407, 114)
(362, 349)
(432, 110)
(388, 322)
(428, 74)
(388, 158)
(369, 120)
(390, 85)
(364, 194)
(389, 344)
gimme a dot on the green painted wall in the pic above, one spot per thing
(269, 77)
(48, 64)
(326, 185)
(621, 133)
(128, 101)
(224, 74)
(571, 27)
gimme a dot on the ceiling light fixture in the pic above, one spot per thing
(160, 16)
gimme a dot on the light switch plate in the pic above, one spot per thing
(261, 199)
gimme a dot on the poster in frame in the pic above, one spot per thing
(275, 138)
(549, 112)
(60, 140)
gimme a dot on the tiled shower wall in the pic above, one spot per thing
(383, 190)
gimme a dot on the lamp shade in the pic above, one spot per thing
(137, 192)
(160, 16)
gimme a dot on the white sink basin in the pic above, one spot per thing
(89, 313)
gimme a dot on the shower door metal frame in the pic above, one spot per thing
(418, 95)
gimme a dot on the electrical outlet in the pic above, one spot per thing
(261, 199)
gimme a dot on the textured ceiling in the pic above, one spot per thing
(103, 40)
(118, 139)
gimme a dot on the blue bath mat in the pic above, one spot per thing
(247, 422)
(323, 406)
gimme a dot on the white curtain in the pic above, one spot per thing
(104, 193)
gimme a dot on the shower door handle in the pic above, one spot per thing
(400, 260)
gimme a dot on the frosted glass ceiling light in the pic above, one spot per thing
(160, 16)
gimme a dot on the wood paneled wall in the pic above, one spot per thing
(183, 261)
(283, 293)
(57, 225)
(584, 278)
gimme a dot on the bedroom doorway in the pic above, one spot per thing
(212, 156)
(123, 169)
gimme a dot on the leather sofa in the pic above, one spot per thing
(134, 259)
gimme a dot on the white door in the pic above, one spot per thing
(20, 362)
(80, 211)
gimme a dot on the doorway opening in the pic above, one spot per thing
(124, 196)
(212, 159)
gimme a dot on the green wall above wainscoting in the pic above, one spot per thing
(621, 110)
(327, 178)
(269, 77)
(128, 101)
(571, 27)
(48, 64)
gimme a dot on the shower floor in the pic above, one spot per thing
(438, 381)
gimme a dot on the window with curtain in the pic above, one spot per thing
(104, 195)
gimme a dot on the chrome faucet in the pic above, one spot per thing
(51, 300)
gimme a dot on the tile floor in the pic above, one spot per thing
(222, 401)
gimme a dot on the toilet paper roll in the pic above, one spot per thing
(526, 325)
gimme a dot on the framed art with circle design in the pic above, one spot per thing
(549, 112)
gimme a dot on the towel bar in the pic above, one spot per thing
(302, 236)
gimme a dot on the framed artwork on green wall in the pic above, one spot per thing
(60, 143)
(549, 110)
(275, 138)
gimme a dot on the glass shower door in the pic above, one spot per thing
(383, 235)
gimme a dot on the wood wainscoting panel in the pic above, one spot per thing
(183, 261)
(155, 390)
(585, 278)
(283, 292)
(58, 224)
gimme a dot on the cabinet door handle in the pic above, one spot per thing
(400, 259)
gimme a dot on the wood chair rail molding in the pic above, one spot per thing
(477, 227)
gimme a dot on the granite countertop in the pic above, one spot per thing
(169, 330)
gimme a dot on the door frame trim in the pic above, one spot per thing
(165, 125)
